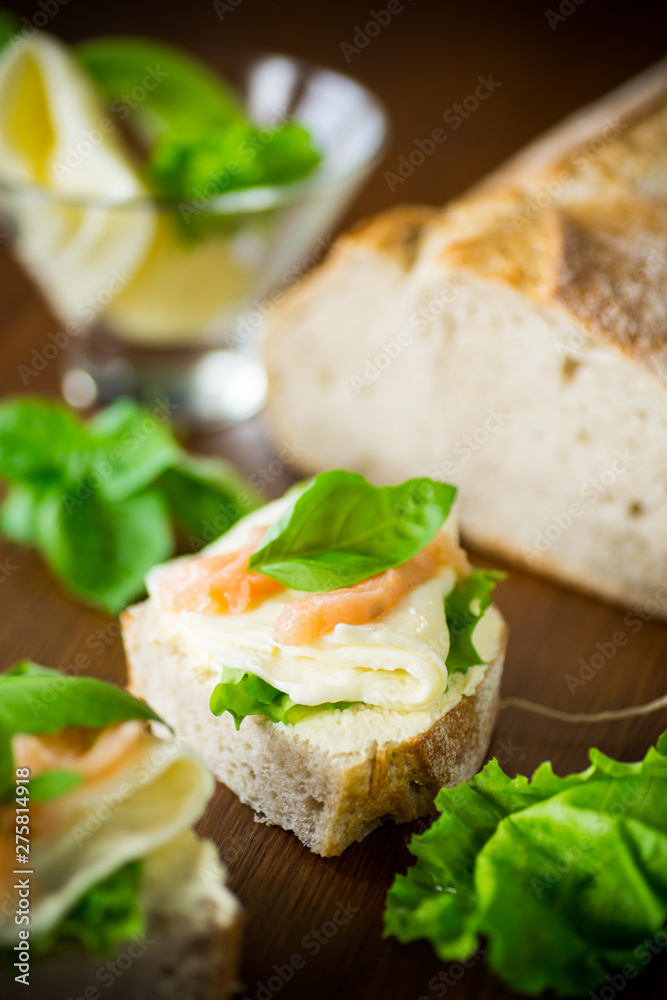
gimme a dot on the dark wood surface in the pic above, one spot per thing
(423, 62)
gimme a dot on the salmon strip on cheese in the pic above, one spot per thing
(217, 584)
(308, 617)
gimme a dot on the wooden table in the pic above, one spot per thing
(423, 62)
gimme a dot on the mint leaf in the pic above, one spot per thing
(464, 606)
(180, 95)
(241, 694)
(342, 529)
(103, 550)
(107, 915)
(229, 159)
(52, 784)
(565, 877)
(206, 496)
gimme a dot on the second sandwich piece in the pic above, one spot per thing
(334, 657)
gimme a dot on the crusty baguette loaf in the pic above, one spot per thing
(190, 949)
(331, 778)
(514, 343)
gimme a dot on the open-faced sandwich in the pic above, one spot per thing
(334, 656)
(105, 888)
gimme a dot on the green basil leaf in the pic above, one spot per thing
(565, 877)
(464, 606)
(206, 496)
(241, 694)
(41, 442)
(179, 94)
(52, 784)
(342, 530)
(35, 699)
(103, 550)
(133, 448)
(107, 915)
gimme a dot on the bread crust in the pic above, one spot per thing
(345, 795)
(577, 221)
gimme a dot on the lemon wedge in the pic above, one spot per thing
(62, 165)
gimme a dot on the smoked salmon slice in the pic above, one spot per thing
(211, 585)
(222, 584)
(308, 617)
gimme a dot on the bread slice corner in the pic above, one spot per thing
(335, 776)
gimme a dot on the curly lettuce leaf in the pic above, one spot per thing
(241, 694)
(464, 606)
(106, 916)
(565, 877)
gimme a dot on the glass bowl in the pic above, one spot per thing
(164, 300)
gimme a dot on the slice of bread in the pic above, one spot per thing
(190, 948)
(334, 776)
(514, 343)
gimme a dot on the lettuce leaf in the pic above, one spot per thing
(341, 529)
(241, 694)
(106, 916)
(566, 878)
(464, 606)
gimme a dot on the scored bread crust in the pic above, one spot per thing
(329, 797)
